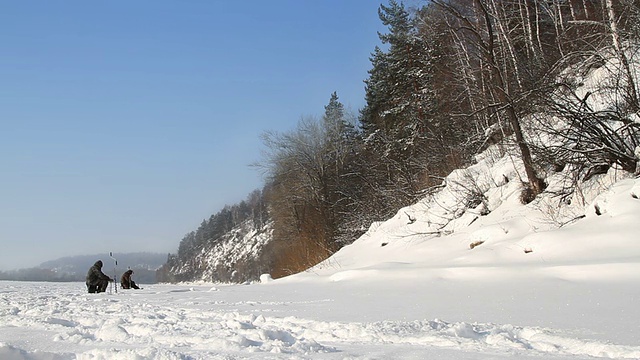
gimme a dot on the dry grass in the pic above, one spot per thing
(299, 256)
(475, 243)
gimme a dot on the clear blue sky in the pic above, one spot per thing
(123, 124)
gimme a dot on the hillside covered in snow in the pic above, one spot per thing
(476, 227)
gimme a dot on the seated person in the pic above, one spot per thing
(96, 280)
(126, 282)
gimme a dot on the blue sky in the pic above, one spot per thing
(123, 124)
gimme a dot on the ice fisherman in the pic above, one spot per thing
(126, 282)
(97, 281)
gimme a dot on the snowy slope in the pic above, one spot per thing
(500, 237)
(233, 257)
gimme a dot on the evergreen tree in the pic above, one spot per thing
(386, 89)
(400, 138)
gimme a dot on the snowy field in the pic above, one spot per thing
(358, 319)
(548, 280)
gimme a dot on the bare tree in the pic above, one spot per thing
(486, 29)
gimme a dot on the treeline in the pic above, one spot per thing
(38, 274)
(449, 79)
(141, 275)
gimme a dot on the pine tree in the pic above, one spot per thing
(397, 120)
(388, 90)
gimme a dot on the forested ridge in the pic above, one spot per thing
(449, 79)
(74, 268)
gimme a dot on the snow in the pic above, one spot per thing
(552, 279)
(367, 318)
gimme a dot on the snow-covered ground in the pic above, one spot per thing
(548, 280)
(372, 319)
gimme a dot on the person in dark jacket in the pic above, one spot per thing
(126, 282)
(96, 280)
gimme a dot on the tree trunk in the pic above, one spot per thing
(535, 183)
(632, 94)
(538, 38)
(525, 18)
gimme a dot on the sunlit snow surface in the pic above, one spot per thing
(322, 320)
(411, 288)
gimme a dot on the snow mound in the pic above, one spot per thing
(475, 225)
(8, 352)
(120, 354)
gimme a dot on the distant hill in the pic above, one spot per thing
(74, 268)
